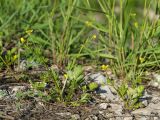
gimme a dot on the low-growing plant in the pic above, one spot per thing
(131, 95)
(92, 86)
(56, 87)
(8, 58)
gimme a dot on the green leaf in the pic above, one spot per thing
(38, 40)
(85, 97)
(93, 86)
(107, 56)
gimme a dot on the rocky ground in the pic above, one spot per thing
(106, 104)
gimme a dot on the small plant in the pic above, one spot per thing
(67, 88)
(9, 58)
(131, 96)
(93, 86)
(73, 82)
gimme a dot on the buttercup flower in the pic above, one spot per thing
(65, 76)
(141, 59)
(88, 24)
(104, 67)
(136, 24)
(94, 36)
(15, 57)
(22, 40)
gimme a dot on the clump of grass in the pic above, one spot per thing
(127, 40)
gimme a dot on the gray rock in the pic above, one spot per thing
(98, 78)
(142, 111)
(145, 103)
(116, 108)
(150, 109)
(106, 93)
(144, 99)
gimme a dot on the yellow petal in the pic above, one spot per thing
(88, 24)
(22, 40)
(15, 57)
(94, 36)
(104, 67)
(65, 76)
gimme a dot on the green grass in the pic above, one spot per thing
(66, 33)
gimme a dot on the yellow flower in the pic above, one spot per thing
(141, 59)
(22, 40)
(65, 76)
(136, 24)
(29, 31)
(15, 57)
(88, 24)
(94, 37)
(104, 67)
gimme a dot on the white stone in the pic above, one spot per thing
(155, 84)
(75, 117)
(103, 106)
(15, 89)
(155, 118)
(157, 77)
